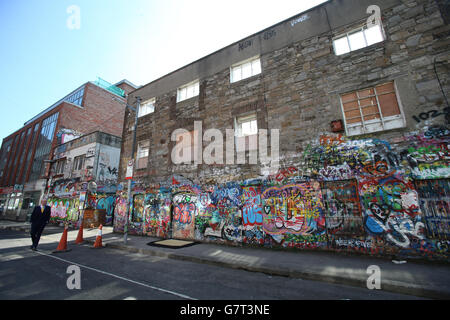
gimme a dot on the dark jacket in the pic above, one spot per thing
(40, 218)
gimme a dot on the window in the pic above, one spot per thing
(76, 97)
(358, 39)
(147, 107)
(371, 110)
(142, 154)
(245, 69)
(246, 125)
(60, 166)
(29, 161)
(188, 91)
(78, 163)
(44, 146)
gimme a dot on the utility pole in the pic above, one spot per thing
(136, 112)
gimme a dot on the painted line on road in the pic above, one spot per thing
(119, 277)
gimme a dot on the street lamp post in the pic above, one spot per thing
(136, 112)
(49, 181)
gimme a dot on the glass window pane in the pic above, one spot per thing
(256, 67)
(190, 91)
(141, 110)
(181, 94)
(246, 129)
(374, 35)
(237, 74)
(341, 46)
(357, 40)
(196, 89)
(254, 126)
(247, 70)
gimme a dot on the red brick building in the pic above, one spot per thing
(25, 154)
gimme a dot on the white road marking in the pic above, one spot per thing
(119, 277)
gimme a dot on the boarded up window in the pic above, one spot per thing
(371, 110)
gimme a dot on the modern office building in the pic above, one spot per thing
(25, 155)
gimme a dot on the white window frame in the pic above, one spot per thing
(76, 163)
(253, 63)
(188, 91)
(387, 123)
(240, 120)
(60, 166)
(147, 107)
(143, 150)
(362, 30)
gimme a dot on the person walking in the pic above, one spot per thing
(39, 219)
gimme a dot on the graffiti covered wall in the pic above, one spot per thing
(64, 210)
(363, 196)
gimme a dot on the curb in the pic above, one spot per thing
(11, 228)
(387, 285)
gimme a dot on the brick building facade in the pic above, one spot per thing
(23, 172)
(361, 105)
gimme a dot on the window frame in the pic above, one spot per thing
(248, 118)
(146, 104)
(76, 97)
(363, 30)
(143, 145)
(382, 119)
(60, 166)
(241, 64)
(195, 85)
(76, 163)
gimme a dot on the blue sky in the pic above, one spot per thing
(42, 60)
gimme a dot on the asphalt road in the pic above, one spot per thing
(109, 274)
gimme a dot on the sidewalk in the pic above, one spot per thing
(423, 279)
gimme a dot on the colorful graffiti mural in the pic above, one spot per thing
(120, 213)
(64, 210)
(346, 195)
(252, 215)
(157, 206)
(295, 209)
(343, 208)
(106, 202)
(184, 213)
(219, 217)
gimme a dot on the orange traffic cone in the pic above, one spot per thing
(98, 240)
(79, 239)
(62, 247)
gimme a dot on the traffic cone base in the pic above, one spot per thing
(62, 246)
(79, 239)
(98, 240)
(61, 251)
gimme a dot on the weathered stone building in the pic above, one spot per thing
(359, 93)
